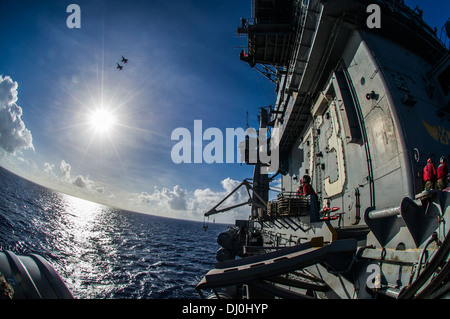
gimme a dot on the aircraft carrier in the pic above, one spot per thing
(362, 112)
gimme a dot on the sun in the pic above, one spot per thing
(102, 120)
(101, 123)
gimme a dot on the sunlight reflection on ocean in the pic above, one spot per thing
(103, 252)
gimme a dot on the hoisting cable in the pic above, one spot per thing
(205, 223)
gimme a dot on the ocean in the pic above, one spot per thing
(102, 252)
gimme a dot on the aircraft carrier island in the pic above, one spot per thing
(362, 126)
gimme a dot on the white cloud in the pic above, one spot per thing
(175, 202)
(48, 168)
(205, 199)
(180, 203)
(240, 195)
(65, 171)
(13, 133)
(80, 181)
(165, 198)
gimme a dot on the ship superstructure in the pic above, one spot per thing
(361, 109)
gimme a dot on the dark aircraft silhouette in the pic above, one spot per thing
(124, 60)
(119, 66)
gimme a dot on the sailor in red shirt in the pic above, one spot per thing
(307, 188)
(307, 191)
(442, 173)
(429, 175)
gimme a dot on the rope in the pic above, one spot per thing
(6, 290)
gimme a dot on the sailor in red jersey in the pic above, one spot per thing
(307, 188)
(429, 175)
(442, 173)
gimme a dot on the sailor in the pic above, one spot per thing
(244, 23)
(429, 175)
(246, 58)
(442, 173)
(307, 188)
(243, 56)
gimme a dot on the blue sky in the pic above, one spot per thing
(183, 66)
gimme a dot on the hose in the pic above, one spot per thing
(439, 257)
(432, 239)
(435, 283)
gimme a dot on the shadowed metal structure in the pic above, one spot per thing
(359, 110)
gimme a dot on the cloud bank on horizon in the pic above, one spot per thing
(176, 202)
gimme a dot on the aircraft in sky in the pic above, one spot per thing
(124, 60)
(119, 66)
